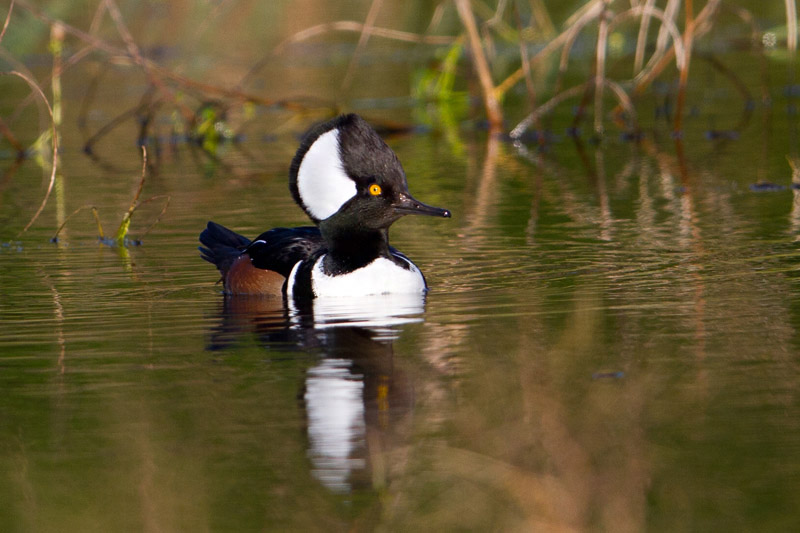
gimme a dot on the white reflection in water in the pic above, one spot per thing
(334, 397)
(380, 313)
(336, 429)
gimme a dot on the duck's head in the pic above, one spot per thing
(345, 175)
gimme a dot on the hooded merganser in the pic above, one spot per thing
(353, 187)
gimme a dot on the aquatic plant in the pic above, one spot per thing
(120, 238)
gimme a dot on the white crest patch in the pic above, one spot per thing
(321, 180)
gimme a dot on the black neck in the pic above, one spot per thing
(350, 250)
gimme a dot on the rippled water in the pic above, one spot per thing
(610, 341)
(612, 346)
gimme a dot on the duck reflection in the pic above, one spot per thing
(353, 395)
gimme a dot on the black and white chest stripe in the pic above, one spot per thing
(383, 275)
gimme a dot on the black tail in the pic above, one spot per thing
(222, 246)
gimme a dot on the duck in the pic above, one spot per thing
(352, 186)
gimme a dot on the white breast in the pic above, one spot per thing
(382, 276)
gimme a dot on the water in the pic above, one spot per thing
(615, 349)
(610, 340)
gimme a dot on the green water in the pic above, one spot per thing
(615, 351)
(610, 341)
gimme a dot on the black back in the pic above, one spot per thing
(279, 249)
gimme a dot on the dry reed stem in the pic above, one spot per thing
(97, 18)
(670, 13)
(35, 87)
(735, 80)
(549, 48)
(641, 39)
(122, 231)
(54, 238)
(573, 31)
(683, 80)
(369, 22)
(186, 83)
(353, 26)
(65, 66)
(135, 53)
(624, 101)
(671, 28)
(494, 113)
(543, 20)
(791, 26)
(216, 10)
(702, 26)
(8, 19)
(145, 102)
(600, 69)
(545, 108)
(523, 54)
(32, 97)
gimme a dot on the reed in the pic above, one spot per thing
(683, 80)
(664, 47)
(494, 112)
(791, 27)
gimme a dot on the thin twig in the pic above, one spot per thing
(641, 40)
(122, 231)
(161, 214)
(573, 31)
(72, 61)
(594, 6)
(54, 238)
(119, 119)
(8, 19)
(683, 80)
(670, 12)
(351, 25)
(624, 101)
(369, 22)
(545, 108)
(523, 54)
(38, 90)
(671, 28)
(17, 65)
(791, 26)
(702, 26)
(493, 111)
(600, 69)
(11, 138)
(203, 26)
(135, 53)
(183, 81)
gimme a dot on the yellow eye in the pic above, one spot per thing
(375, 189)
